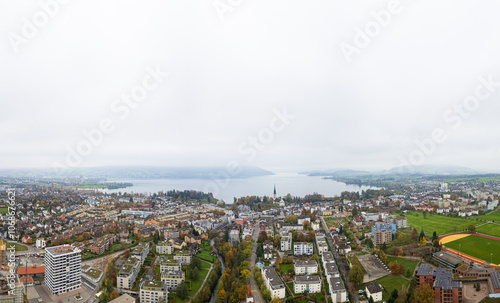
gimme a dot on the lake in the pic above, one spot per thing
(227, 189)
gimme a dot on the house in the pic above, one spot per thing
(374, 290)
(309, 267)
(268, 254)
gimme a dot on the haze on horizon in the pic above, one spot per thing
(229, 76)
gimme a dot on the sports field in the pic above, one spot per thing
(477, 247)
(438, 223)
(492, 216)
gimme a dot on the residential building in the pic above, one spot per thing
(183, 257)
(446, 289)
(268, 254)
(374, 290)
(141, 251)
(311, 284)
(382, 236)
(286, 243)
(337, 290)
(128, 273)
(167, 265)
(63, 269)
(303, 248)
(125, 298)
(327, 257)
(331, 270)
(153, 292)
(40, 243)
(165, 248)
(273, 282)
(306, 267)
(172, 278)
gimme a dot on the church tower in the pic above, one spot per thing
(275, 191)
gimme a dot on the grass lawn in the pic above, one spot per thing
(393, 282)
(290, 285)
(437, 223)
(204, 273)
(408, 264)
(205, 264)
(4, 210)
(478, 247)
(492, 216)
(205, 255)
(195, 285)
(489, 229)
(286, 267)
(19, 247)
(172, 297)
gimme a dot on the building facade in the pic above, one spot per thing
(63, 269)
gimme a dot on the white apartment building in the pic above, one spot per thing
(128, 273)
(153, 292)
(306, 267)
(172, 278)
(166, 265)
(310, 284)
(331, 270)
(273, 282)
(40, 243)
(183, 257)
(303, 248)
(286, 243)
(165, 248)
(337, 290)
(141, 251)
(63, 268)
(374, 290)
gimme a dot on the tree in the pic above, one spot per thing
(356, 275)
(182, 290)
(126, 253)
(371, 300)
(242, 292)
(259, 251)
(471, 228)
(424, 293)
(422, 235)
(434, 236)
(292, 219)
(414, 234)
(245, 273)
(314, 257)
(195, 273)
(114, 294)
(195, 263)
(80, 238)
(222, 295)
(394, 294)
(354, 211)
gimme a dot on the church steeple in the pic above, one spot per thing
(274, 191)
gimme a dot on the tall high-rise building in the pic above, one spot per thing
(63, 268)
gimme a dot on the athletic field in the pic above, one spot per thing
(438, 223)
(477, 247)
(491, 229)
(492, 216)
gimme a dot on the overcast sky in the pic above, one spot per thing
(231, 64)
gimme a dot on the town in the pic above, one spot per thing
(419, 240)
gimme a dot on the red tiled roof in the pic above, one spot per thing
(31, 270)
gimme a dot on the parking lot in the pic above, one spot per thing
(373, 266)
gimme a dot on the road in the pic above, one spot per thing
(257, 295)
(342, 266)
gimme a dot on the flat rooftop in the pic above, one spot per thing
(307, 279)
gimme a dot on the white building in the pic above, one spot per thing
(172, 278)
(128, 273)
(303, 248)
(40, 243)
(286, 243)
(63, 268)
(153, 292)
(183, 257)
(337, 290)
(273, 282)
(374, 290)
(306, 267)
(310, 284)
(165, 248)
(331, 270)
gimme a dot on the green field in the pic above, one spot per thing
(492, 216)
(286, 267)
(205, 264)
(205, 255)
(393, 282)
(437, 223)
(4, 210)
(478, 247)
(489, 229)
(408, 264)
(19, 247)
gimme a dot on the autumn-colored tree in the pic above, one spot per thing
(245, 273)
(126, 253)
(114, 294)
(222, 295)
(356, 275)
(242, 292)
(424, 293)
(314, 257)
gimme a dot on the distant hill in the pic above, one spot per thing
(137, 172)
(431, 170)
